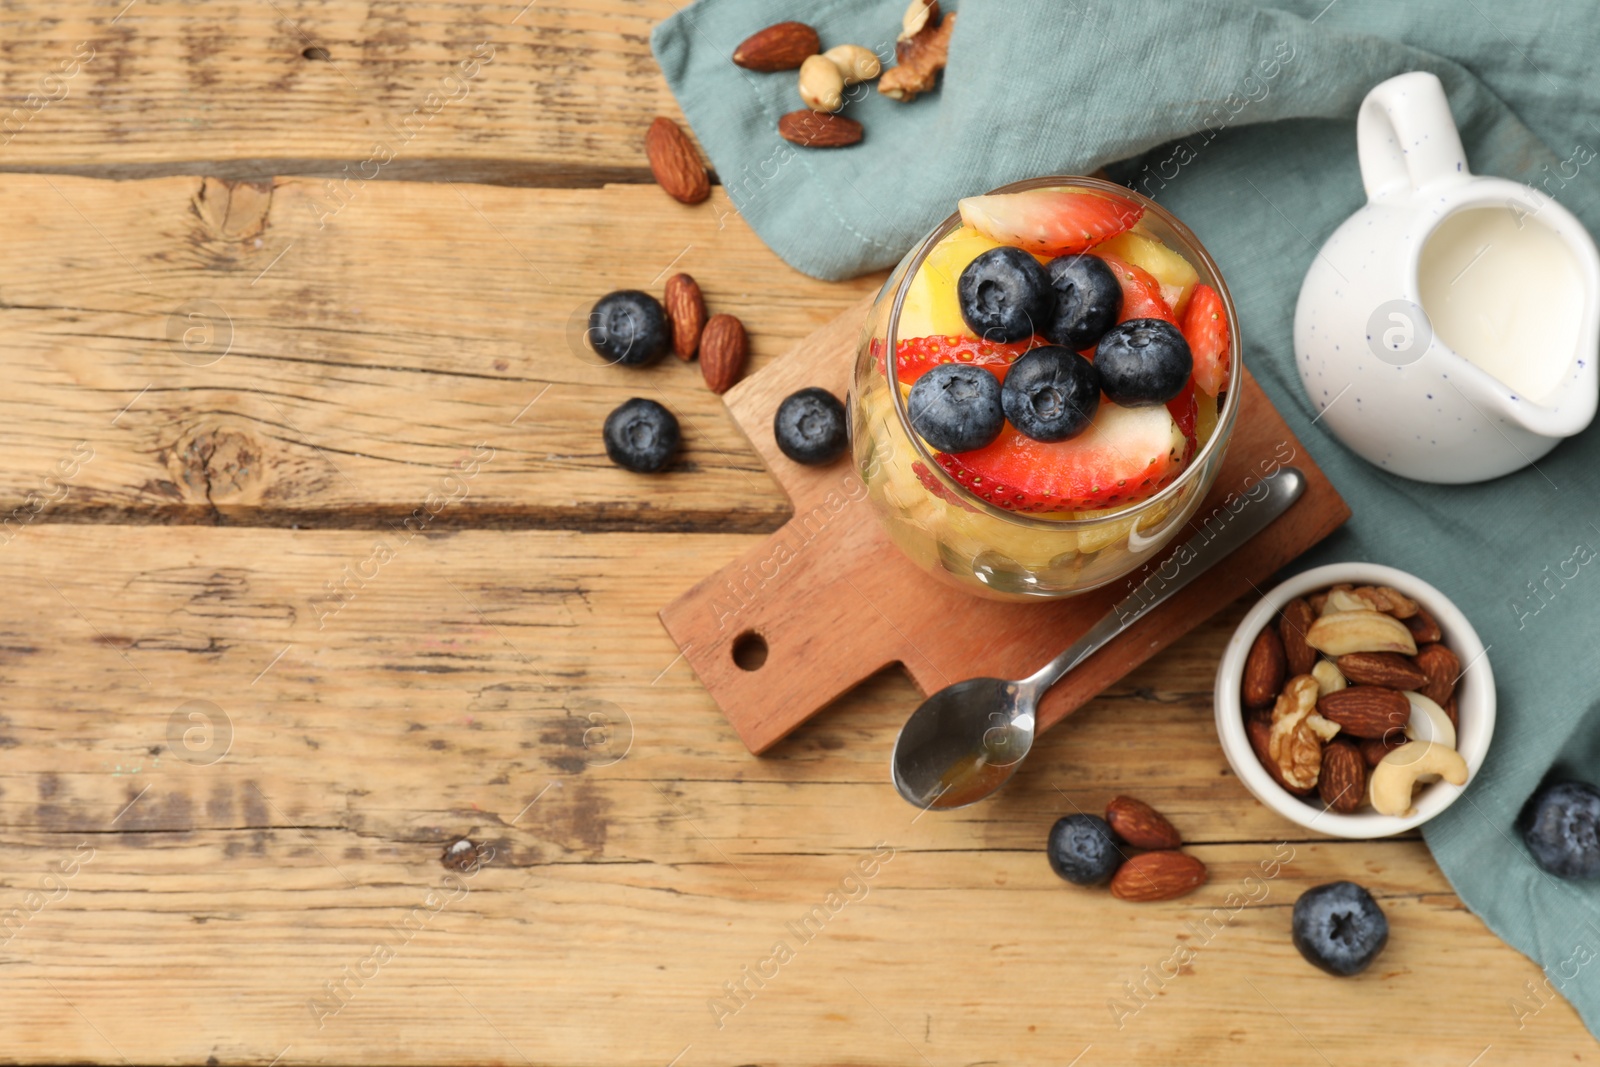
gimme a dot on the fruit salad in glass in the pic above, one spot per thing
(1043, 393)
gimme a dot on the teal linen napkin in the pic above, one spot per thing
(1240, 119)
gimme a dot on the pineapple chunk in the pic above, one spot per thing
(931, 307)
(1176, 276)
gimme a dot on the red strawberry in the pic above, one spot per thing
(1141, 293)
(916, 356)
(1185, 411)
(1050, 222)
(1205, 327)
(1126, 455)
(936, 487)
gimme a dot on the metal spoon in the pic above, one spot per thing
(965, 741)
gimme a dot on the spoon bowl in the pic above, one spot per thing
(964, 742)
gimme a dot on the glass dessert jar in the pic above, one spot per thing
(956, 519)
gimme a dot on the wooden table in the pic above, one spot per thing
(239, 379)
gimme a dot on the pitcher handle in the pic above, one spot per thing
(1406, 137)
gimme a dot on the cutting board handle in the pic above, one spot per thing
(791, 625)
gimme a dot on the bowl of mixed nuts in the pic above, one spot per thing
(1356, 700)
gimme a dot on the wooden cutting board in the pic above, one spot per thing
(830, 600)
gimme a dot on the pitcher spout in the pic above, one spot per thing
(1569, 409)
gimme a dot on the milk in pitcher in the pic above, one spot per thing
(1505, 293)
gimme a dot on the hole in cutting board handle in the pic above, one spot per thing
(749, 651)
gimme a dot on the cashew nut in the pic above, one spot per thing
(1340, 598)
(821, 84)
(855, 63)
(1329, 678)
(1341, 632)
(1429, 722)
(1390, 785)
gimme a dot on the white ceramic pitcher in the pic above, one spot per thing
(1372, 360)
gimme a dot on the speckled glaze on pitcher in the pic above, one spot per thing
(1375, 368)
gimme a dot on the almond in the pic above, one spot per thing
(674, 162)
(783, 46)
(1140, 825)
(1366, 710)
(1423, 629)
(722, 350)
(1343, 785)
(686, 310)
(1264, 670)
(818, 129)
(1293, 627)
(1158, 876)
(1373, 749)
(1259, 729)
(1388, 669)
(1442, 667)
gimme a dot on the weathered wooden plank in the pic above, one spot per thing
(452, 695)
(211, 944)
(493, 648)
(541, 93)
(278, 355)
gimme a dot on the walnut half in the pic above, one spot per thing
(919, 57)
(1298, 732)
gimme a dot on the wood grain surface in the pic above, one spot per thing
(246, 708)
(554, 92)
(230, 355)
(515, 689)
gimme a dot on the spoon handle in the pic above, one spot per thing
(1224, 530)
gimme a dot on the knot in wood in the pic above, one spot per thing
(219, 464)
(232, 211)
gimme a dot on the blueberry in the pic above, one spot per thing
(641, 435)
(809, 426)
(1005, 295)
(1339, 927)
(1561, 826)
(1051, 394)
(1083, 849)
(629, 327)
(956, 407)
(1088, 301)
(1143, 362)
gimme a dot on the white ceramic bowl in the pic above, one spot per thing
(1475, 703)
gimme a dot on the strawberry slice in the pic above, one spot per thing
(1126, 455)
(916, 356)
(1050, 222)
(1185, 411)
(936, 487)
(1205, 327)
(1141, 293)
